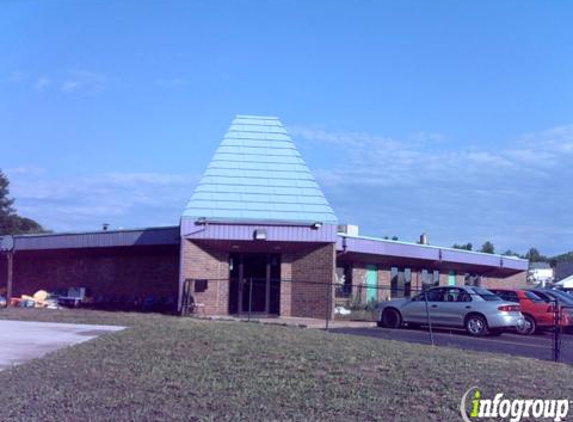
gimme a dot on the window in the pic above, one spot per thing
(457, 295)
(435, 295)
(407, 282)
(507, 295)
(484, 294)
(533, 297)
(394, 282)
(472, 279)
(430, 279)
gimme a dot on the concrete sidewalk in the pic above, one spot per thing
(21, 341)
(293, 321)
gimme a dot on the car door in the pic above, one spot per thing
(415, 310)
(453, 307)
(436, 305)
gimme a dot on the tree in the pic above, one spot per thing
(509, 252)
(10, 221)
(5, 202)
(534, 256)
(487, 247)
(467, 246)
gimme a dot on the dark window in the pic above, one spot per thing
(484, 294)
(435, 295)
(533, 297)
(472, 279)
(394, 281)
(407, 282)
(200, 285)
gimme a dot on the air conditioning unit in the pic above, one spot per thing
(348, 229)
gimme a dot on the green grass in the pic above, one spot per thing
(178, 369)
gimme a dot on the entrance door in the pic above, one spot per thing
(371, 282)
(255, 284)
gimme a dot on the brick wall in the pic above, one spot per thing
(202, 262)
(312, 266)
(286, 287)
(516, 281)
(120, 275)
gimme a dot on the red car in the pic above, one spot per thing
(537, 312)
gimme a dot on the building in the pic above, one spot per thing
(540, 273)
(563, 269)
(257, 235)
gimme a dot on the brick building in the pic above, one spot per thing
(257, 234)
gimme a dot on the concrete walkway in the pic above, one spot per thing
(21, 341)
(294, 321)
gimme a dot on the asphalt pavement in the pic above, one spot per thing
(539, 346)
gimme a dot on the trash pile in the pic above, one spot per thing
(40, 299)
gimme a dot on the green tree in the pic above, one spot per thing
(467, 246)
(487, 247)
(10, 221)
(509, 252)
(534, 256)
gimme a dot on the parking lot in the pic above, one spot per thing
(539, 346)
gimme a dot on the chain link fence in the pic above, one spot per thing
(254, 298)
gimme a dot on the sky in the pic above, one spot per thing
(452, 118)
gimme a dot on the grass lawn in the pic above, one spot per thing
(177, 369)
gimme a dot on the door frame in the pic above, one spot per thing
(243, 285)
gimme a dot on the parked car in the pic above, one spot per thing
(477, 310)
(554, 295)
(538, 313)
(2, 301)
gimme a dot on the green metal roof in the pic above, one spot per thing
(257, 174)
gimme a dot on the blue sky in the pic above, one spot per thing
(452, 118)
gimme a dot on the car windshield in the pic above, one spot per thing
(561, 295)
(484, 294)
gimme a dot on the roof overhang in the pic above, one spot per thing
(285, 232)
(417, 256)
(100, 239)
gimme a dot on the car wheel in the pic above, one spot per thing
(476, 326)
(391, 318)
(529, 327)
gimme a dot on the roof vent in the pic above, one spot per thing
(424, 239)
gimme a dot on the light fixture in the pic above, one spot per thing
(316, 225)
(260, 234)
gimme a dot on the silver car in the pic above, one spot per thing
(477, 310)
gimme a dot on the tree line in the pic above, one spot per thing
(10, 221)
(533, 254)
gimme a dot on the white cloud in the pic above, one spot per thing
(390, 186)
(83, 81)
(122, 199)
(42, 83)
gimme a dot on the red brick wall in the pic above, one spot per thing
(517, 281)
(121, 274)
(202, 262)
(286, 286)
(312, 266)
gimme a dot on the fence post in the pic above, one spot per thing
(557, 332)
(250, 297)
(327, 305)
(428, 317)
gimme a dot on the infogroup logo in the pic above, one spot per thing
(474, 407)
